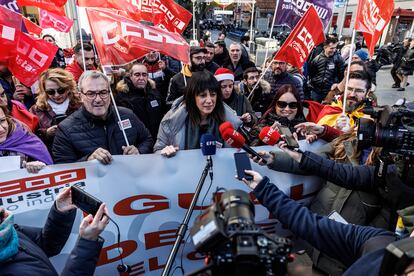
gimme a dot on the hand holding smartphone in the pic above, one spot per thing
(85, 201)
(288, 137)
(242, 163)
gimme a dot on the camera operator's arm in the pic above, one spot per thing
(85, 254)
(345, 175)
(53, 236)
(340, 241)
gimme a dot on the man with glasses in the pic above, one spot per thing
(138, 93)
(359, 85)
(93, 132)
(76, 68)
(180, 80)
(279, 76)
(261, 97)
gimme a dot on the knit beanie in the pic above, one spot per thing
(224, 74)
(363, 55)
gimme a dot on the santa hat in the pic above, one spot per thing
(224, 74)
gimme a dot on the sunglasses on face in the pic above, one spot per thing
(282, 104)
(52, 92)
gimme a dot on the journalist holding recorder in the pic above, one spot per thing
(26, 250)
(361, 248)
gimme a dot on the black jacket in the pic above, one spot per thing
(276, 81)
(407, 63)
(239, 69)
(178, 84)
(80, 134)
(325, 71)
(147, 105)
(222, 58)
(212, 67)
(37, 245)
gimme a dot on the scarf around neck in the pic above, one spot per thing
(9, 241)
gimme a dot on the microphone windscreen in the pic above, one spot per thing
(208, 144)
(233, 138)
(224, 126)
(269, 136)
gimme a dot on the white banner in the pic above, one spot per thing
(147, 195)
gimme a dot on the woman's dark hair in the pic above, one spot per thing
(197, 84)
(286, 88)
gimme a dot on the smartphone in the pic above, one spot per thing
(58, 118)
(242, 163)
(84, 201)
(288, 137)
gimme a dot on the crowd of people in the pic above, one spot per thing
(164, 107)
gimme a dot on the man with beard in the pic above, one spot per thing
(180, 80)
(77, 66)
(261, 97)
(211, 66)
(279, 76)
(138, 93)
(221, 55)
(359, 86)
(158, 71)
(236, 64)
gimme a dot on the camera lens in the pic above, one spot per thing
(237, 208)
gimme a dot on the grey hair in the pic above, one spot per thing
(91, 74)
(235, 43)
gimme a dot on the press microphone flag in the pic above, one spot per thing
(269, 136)
(208, 144)
(236, 140)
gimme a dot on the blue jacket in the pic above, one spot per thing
(344, 242)
(36, 245)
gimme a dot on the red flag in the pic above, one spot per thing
(55, 6)
(10, 23)
(33, 56)
(129, 8)
(171, 16)
(305, 36)
(51, 20)
(120, 40)
(372, 17)
(31, 27)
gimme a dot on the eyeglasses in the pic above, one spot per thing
(253, 77)
(357, 90)
(282, 104)
(199, 58)
(52, 92)
(91, 95)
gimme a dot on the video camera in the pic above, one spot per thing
(393, 129)
(233, 244)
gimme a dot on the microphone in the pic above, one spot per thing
(269, 136)
(208, 148)
(225, 126)
(236, 140)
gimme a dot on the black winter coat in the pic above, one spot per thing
(407, 63)
(80, 134)
(147, 105)
(325, 71)
(37, 245)
(239, 69)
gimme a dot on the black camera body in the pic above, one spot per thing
(234, 245)
(393, 130)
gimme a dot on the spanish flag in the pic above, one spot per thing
(328, 114)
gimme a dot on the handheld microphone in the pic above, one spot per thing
(269, 136)
(208, 148)
(224, 126)
(236, 140)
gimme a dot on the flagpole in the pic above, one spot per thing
(121, 126)
(270, 35)
(251, 23)
(194, 20)
(347, 72)
(260, 78)
(80, 35)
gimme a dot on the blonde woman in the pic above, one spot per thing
(57, 99)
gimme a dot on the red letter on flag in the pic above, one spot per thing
(372, 17)
(305, 36)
